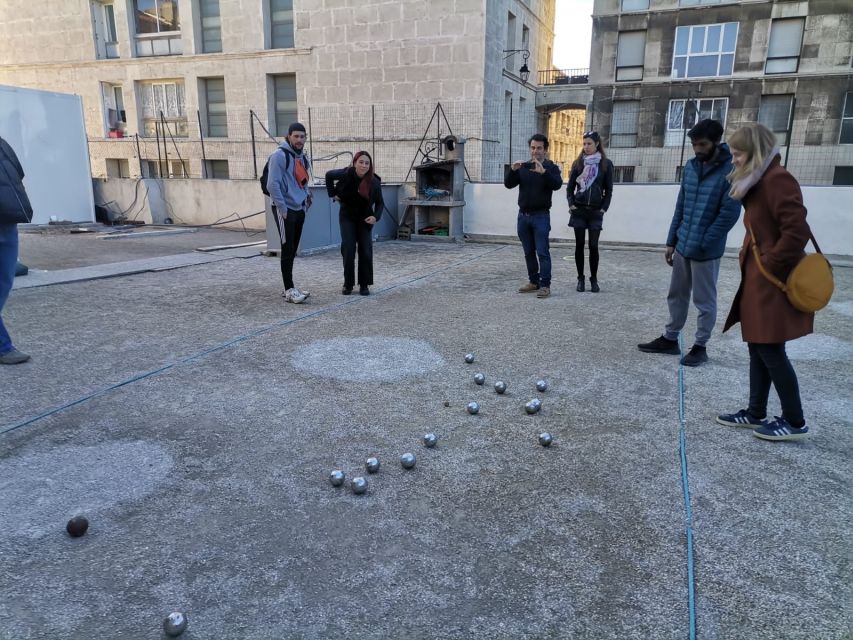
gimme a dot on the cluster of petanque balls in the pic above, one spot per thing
(359, 484)
(174, 624)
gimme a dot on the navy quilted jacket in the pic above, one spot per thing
(704, 211)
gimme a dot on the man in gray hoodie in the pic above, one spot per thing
(287, 183)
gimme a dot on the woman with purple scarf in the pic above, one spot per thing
(589, 191)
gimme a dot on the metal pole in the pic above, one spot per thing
(254, 148)
(139, 155)
(510, 131)
(373, 130)
(310, 141)
(201, 137)
(159, 156)
(438, 132)
(165, 147)
(683, 136)
(790, 130)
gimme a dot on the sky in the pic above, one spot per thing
(572, 34)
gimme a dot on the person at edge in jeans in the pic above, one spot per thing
(359, 192)
(536, 180)
(15, 208)
(288, 186)
(704, 215)
(775, 213)
(589, 192)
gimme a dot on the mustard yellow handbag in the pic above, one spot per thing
(809, 285)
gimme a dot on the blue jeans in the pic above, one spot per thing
(8, 260)
(533, 229)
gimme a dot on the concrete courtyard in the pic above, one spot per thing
(200, 415)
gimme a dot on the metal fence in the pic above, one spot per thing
(645, 139)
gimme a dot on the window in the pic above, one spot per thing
(117, 167)
(156, 16)
(630, 54)
(166, 100)
(696, 3)
(704, 51)
(684, 114)
(510, 39)
(114, 114)
(624, 123)
(216, 169)
(214, 98)
(775, 114)
(843, 176)
(104, 25)
(846, 136)
(281, 24)
(635, 5)
(783, 51)
(285, 106)
(163, 169)
(623, 174)
(525, 37)
(211, 26)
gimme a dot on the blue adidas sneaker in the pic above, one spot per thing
(780, 429)
(741, 419)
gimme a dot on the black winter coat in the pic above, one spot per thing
(599, 193)
(344, 184)
(15, 207)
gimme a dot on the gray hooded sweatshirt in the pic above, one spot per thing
(285, 192)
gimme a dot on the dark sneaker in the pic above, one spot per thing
(660, 345)
(543, 292)
(346, 291)
(695, 357)
(741, 419)
(364, 291)
(779, 429)
(528, 288)
(13, 357)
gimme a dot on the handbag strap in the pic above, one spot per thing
(761, 268)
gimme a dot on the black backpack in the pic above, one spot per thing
(265, 174)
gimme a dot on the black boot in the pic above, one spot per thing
(581, 286)
(593, 285)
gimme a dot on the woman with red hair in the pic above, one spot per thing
(359, 192)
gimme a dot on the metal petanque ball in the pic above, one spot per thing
(175, 624)
(531, 408)
(77, 526)
(545, 439)
(500, 387)
(479, 378)
(473, 408)
(536, 402)
(358, 485)
(430, 440)
(469, 358)
(408, 460)
(372, 465)
(541, 385)
(337, 477)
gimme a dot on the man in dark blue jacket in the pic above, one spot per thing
(704, 215)
(536, 180)
(15, 208)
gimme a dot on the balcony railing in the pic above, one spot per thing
(563, 76)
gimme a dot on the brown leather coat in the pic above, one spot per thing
(774, 209)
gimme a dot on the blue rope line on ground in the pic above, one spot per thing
(233, 341)
(685, 487)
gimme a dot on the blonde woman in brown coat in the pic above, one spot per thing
(775, 213)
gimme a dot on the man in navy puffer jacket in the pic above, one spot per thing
(704, 215)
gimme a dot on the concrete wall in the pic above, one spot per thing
(642, 214)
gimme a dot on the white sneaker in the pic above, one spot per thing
(295, 296)
(304, 293)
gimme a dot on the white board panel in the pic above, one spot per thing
(48, 134)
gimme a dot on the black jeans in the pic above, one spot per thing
(290, 232)
(356, 238)
(769, 363)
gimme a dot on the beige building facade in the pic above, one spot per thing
(191, 87)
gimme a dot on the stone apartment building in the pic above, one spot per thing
(657, 66)
(178, 79)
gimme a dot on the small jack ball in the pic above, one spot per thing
(372, 465)
(430, 440)
(469, 358)
(175, 624)
(359, 485)
(408, 460)
(77, 526)
(479, 378)
(541, 385)
(447, 403)
(500, 387)
(545, 439)
(337, 477)
(473, 408)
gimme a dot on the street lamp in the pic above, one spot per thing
(524, 71)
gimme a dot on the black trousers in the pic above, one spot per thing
(768, 363)
(290, 233)
(356, 238)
